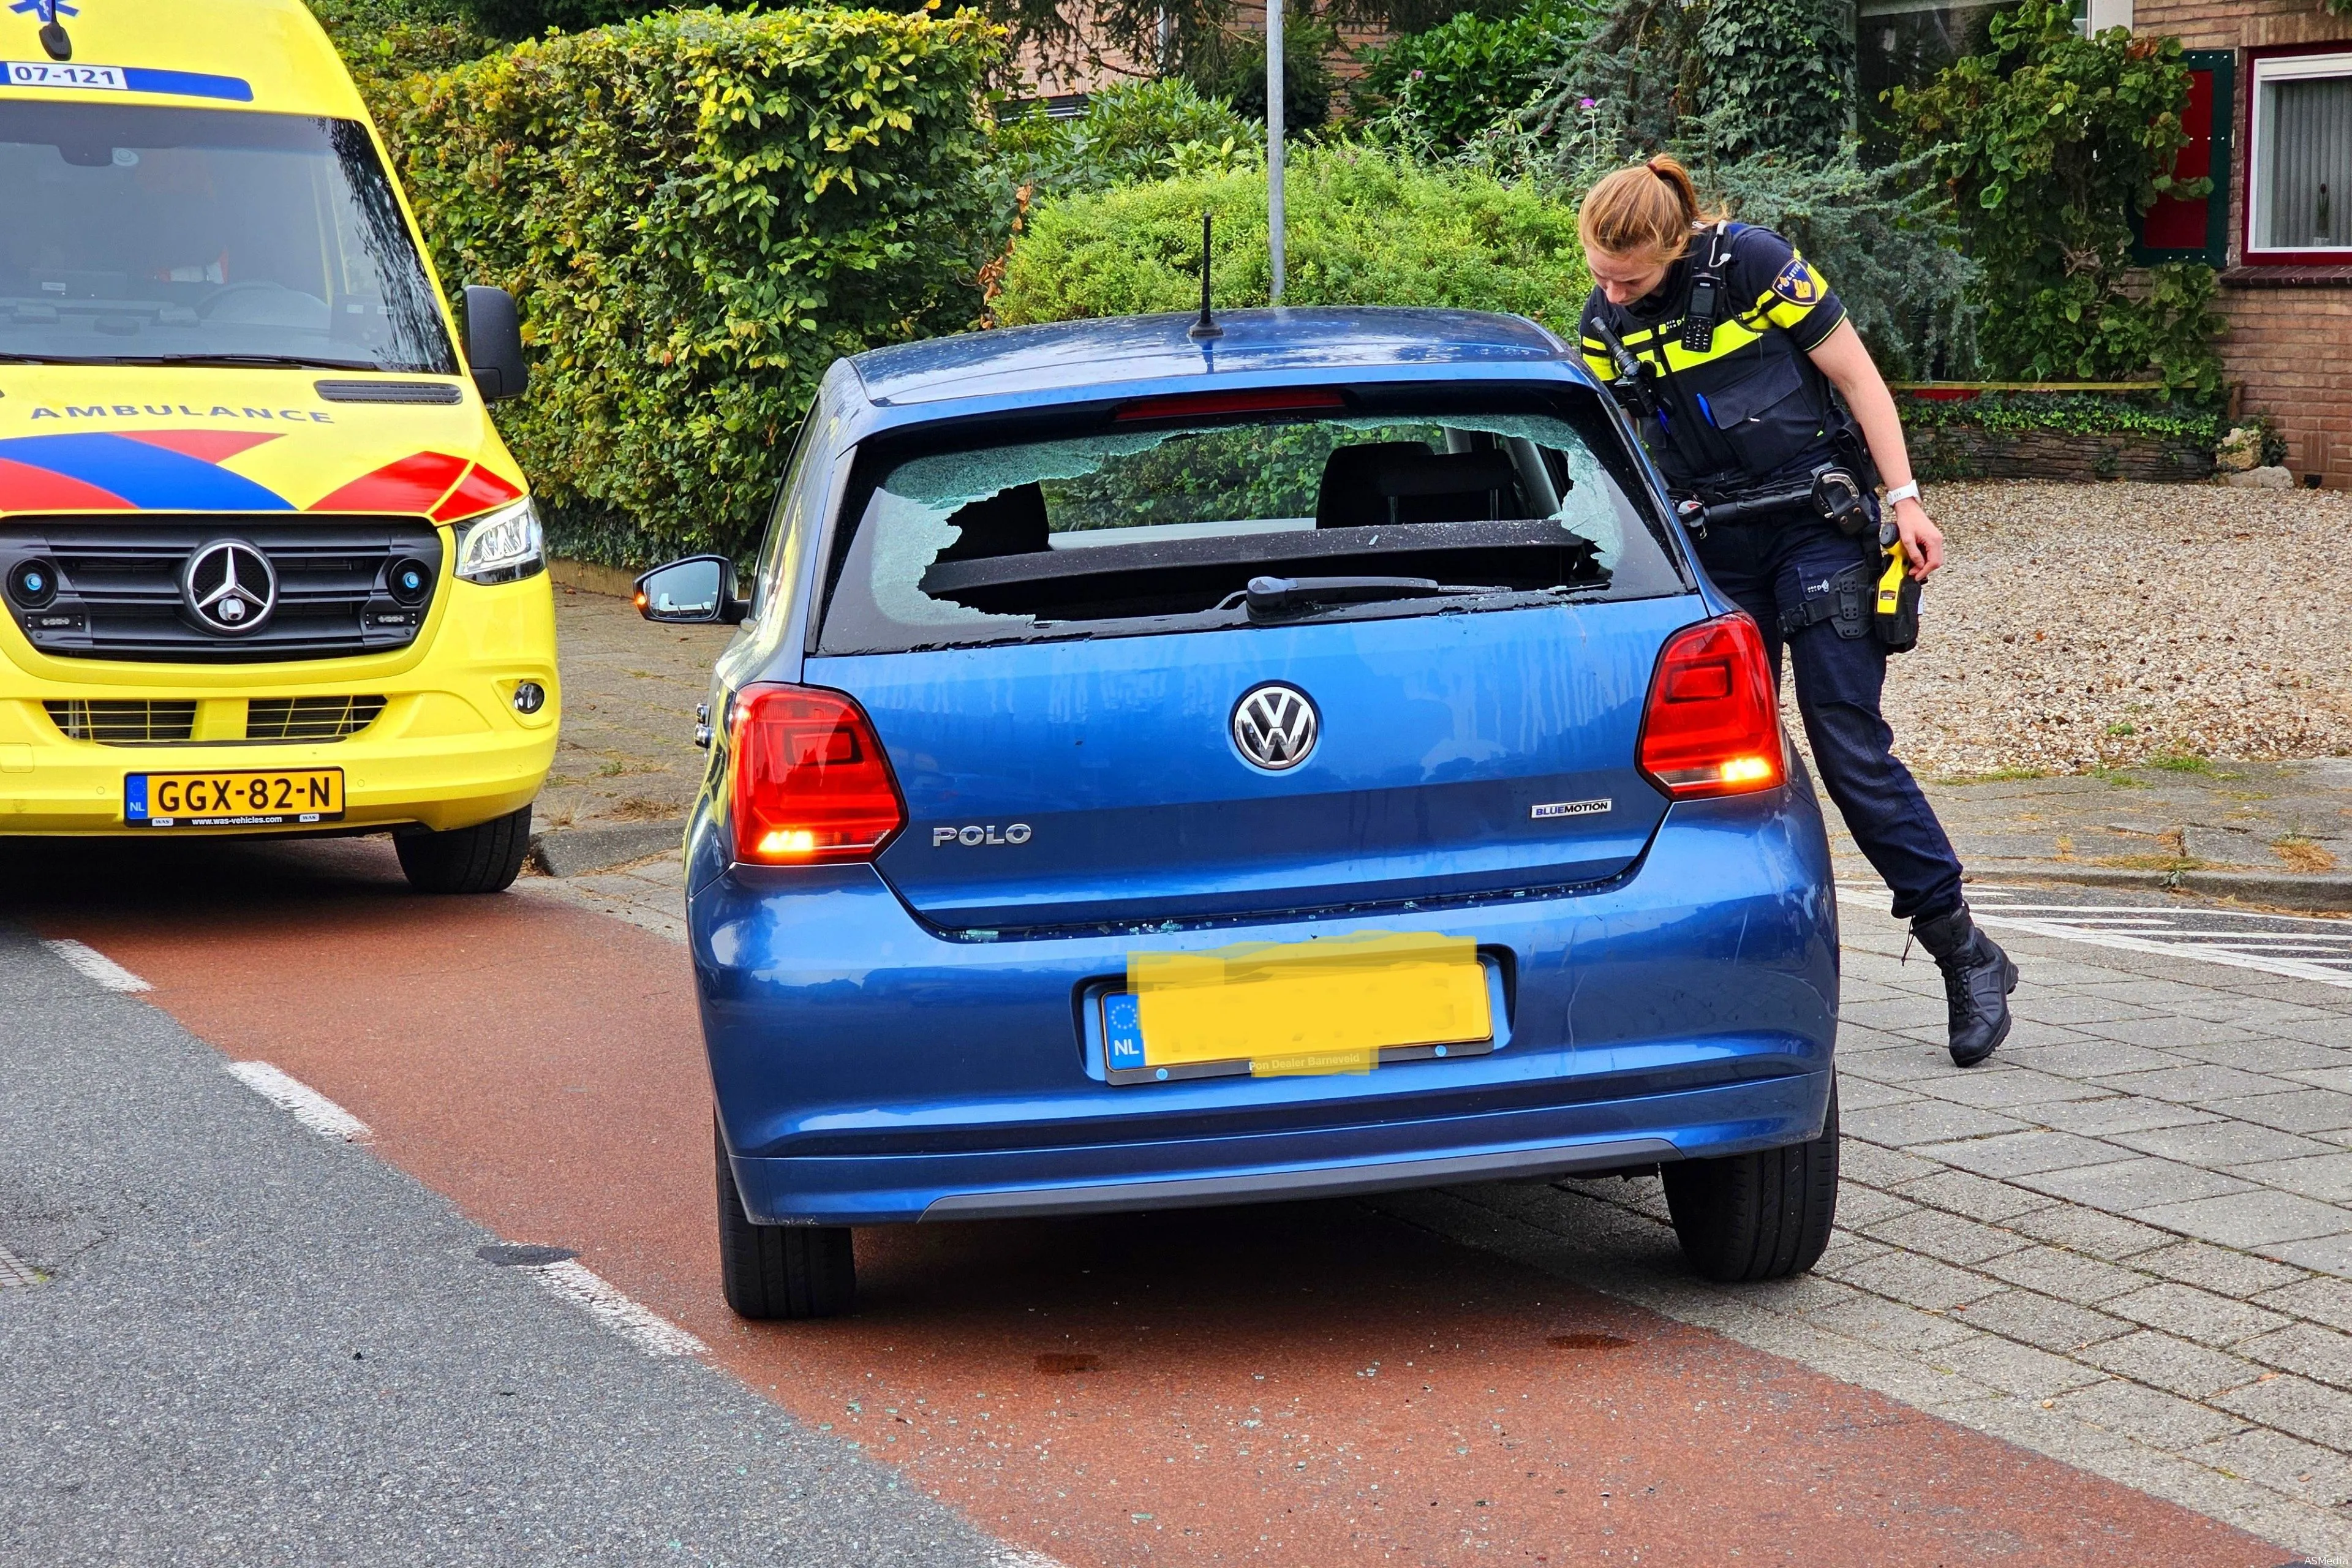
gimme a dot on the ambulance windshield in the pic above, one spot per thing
(145, 235)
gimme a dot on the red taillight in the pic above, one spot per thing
(812, 785)
(1714, 721)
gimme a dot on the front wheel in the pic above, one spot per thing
(779, 1271)
(1764, 1215)
(483, 859)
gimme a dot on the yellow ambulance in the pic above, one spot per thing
(265, 566)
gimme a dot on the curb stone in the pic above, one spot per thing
(2329, 894)
(576, 851)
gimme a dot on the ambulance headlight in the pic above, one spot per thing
(502, 547)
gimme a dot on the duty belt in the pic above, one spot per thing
(1830, 491)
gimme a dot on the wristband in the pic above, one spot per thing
(1902, 493)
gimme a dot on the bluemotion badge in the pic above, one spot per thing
(1551, 809)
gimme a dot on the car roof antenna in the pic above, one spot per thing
(1206, 327)
(53, 33)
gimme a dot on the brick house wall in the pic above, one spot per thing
(1093, 66)
(2289, 347)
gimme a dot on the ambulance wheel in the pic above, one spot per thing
(779, 1271)
(483, 859)
(1765, 1215)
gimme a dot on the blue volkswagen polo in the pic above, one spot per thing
(1158, 769)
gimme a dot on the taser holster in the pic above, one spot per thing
(1895, 607)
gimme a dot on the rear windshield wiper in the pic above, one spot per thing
(1272, 595)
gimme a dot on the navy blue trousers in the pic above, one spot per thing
(1767, 565)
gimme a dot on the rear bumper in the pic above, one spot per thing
(870, 1070)
(448, 750)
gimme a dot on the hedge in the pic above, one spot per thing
(2061, 435)
(1459, 78)
(699, 212)
(1365, 228)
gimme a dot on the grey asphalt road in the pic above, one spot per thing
(256, 1345)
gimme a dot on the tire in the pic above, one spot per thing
(773, 1272)
(1764, 1215)
(485, 858)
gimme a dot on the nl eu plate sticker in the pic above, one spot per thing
(1123, 1031)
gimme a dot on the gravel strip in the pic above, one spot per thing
(2077, 627)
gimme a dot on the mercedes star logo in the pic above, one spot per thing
(230, 587)
(1274, 726)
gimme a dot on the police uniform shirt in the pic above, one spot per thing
(1751, 406)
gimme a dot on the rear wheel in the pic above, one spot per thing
(772, 1271)
(1764, 1215)
(485, 858)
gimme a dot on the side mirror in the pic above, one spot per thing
(494, 342)
(699, 588)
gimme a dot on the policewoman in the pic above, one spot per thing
(1761, 407)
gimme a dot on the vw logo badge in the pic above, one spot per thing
(230, 587)
(1274, 726)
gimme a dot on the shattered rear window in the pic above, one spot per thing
(1088, 527)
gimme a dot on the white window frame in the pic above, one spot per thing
(2101, 14)
(2267, 73)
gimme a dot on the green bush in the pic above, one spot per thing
(513, 19)
(1450, 83)
(1781, 70)
(1136, 130)
(385, 41)
(1366, 228)
(2151, 414)
(699, 212)
(2051, 142)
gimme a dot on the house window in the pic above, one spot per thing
(2300, 171)
(1903, 43)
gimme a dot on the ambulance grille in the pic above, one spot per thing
(132, 722)
(309, 718)
(118, 591)
(115, 723)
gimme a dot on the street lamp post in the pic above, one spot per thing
(1274, 233)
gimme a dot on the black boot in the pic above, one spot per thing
(1977, 979)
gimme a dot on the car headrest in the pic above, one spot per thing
(1009, 523)
(1376, 482)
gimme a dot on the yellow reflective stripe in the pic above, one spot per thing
(1730, 338)
(1785, 315)
(1599, 366)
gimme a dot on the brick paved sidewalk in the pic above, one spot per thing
(2124, 1243)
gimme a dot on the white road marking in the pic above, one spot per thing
(305, 1104)
(96, 965)
(1020, 1557)
(651, 1334)
(14, 1273)
(2294, 946)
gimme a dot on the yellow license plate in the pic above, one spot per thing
(1331, 1006)
(272, 798)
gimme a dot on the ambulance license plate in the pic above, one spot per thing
(290, 797)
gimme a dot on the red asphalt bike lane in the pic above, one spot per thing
(1302, 1384)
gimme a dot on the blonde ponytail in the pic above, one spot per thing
(1648, 211)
